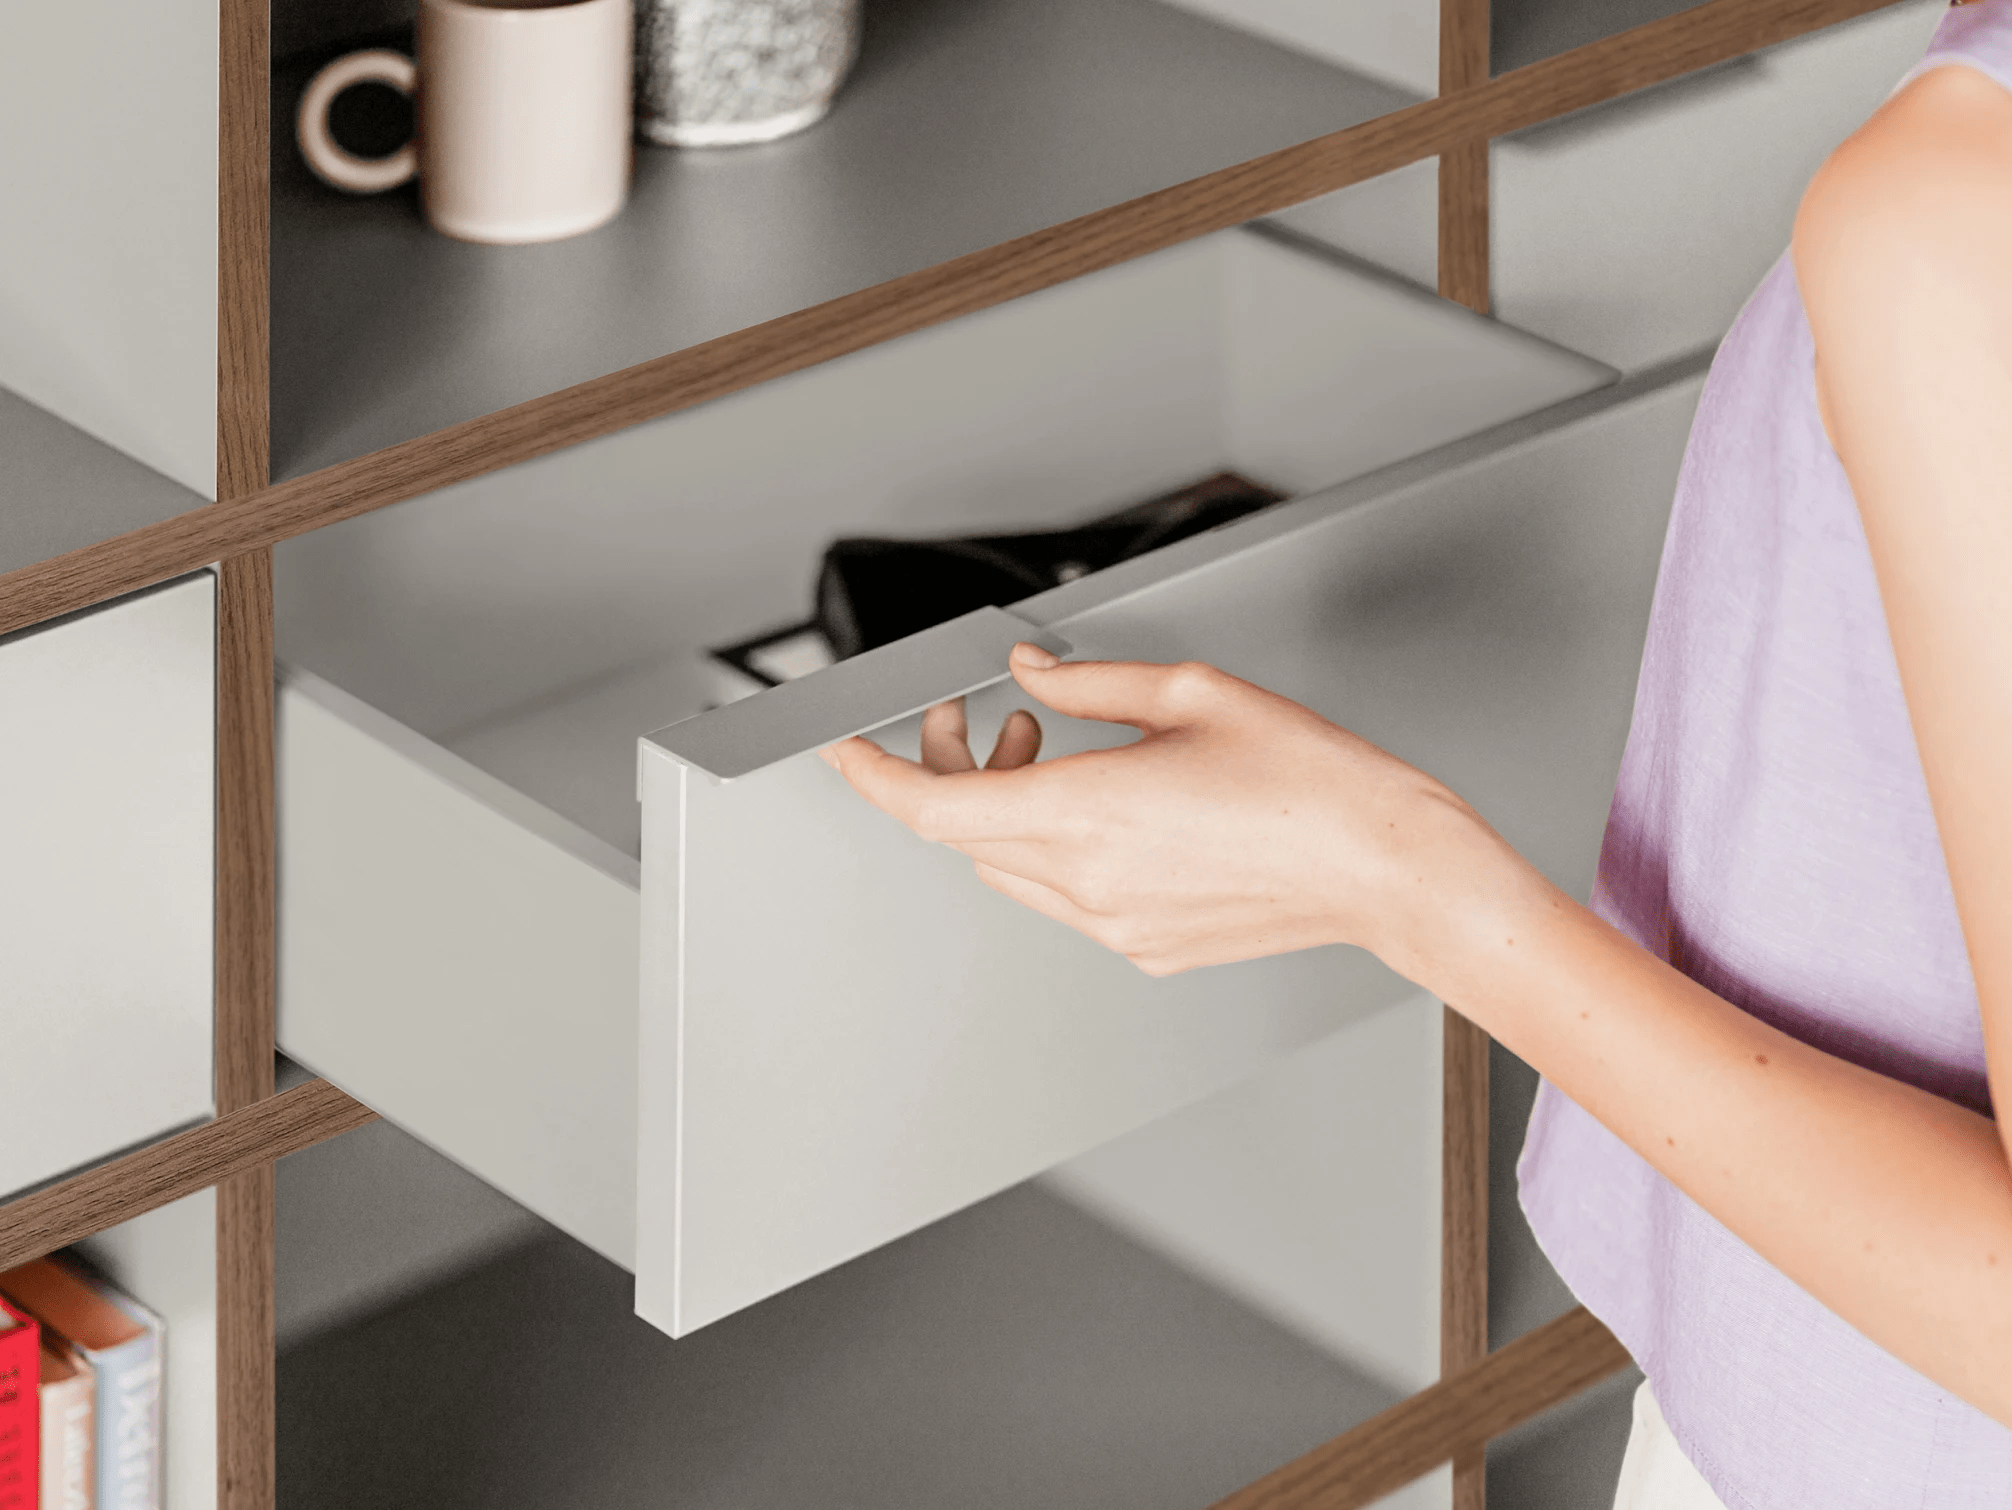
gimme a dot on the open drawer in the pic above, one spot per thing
(792, 1032)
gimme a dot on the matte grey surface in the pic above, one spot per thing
(107, 869)
(367, 1219)
(1528, 31)
(1016, 1355)
(966, 123)
(1569, 1458)
(1267, 527)
(61, 489)
(879, 686)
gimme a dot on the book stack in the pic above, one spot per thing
(80, 1392)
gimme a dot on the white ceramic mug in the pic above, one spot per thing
(523, 111)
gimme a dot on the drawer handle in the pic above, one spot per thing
(854, 695)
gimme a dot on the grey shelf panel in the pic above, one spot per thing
(62, 488)
(967, 123)
(1016, 1355)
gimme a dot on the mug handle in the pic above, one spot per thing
(330, 162)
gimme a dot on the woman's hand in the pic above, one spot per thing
(1241, 824)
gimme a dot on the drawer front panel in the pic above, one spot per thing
(107, 845)
(845, 1035)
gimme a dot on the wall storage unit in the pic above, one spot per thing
(477, 850)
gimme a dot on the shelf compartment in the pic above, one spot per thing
(106, 903)
(63, 488)
(966, 124)
(461, 923)
(1634, 230)
(108, 265)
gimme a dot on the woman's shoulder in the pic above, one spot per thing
(1916, 200)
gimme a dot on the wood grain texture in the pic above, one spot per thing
(1456, 1415)
(1463, 1172)
(1709, 33)
(244, 146)
(1463, 170)
(113, 1192)
(247, 1477)
(245, 919)
(246, 866)
(1463, 226)
(1463, 1228)
(247, 1405)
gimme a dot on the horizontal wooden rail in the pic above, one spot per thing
(33, 1225)
(1651, 54)
(1511, 1385)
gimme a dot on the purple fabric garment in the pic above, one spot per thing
(1771, 836)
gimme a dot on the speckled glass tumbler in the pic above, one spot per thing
(717, 73)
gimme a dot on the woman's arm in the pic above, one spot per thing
(1242, 824)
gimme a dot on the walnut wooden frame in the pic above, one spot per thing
(1480, 1393)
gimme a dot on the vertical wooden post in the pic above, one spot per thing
(1463, 1264)
(1463, 1228)
(245, 864)
(1463, 172)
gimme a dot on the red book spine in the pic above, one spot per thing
(20, 1411)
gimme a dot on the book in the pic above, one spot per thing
(68, 1397)
(121, 1342)
(20, 1407)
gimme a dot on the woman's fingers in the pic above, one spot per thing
(946, 739)
(1019, 742)
(945, 809)
(1147, 696)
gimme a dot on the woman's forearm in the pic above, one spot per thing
(1891, 1205)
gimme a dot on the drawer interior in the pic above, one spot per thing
(513, 617)
(471, 671)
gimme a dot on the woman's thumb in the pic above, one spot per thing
(1116, 692)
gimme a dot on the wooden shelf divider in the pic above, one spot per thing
(149, 1177)
(1464, 207)
(1463, 169)
(246, 860)
(1513, 1384)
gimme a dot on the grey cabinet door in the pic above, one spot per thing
(107, 839)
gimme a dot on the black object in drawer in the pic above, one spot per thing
(874, 591)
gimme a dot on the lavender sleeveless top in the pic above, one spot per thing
(1771, 837)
